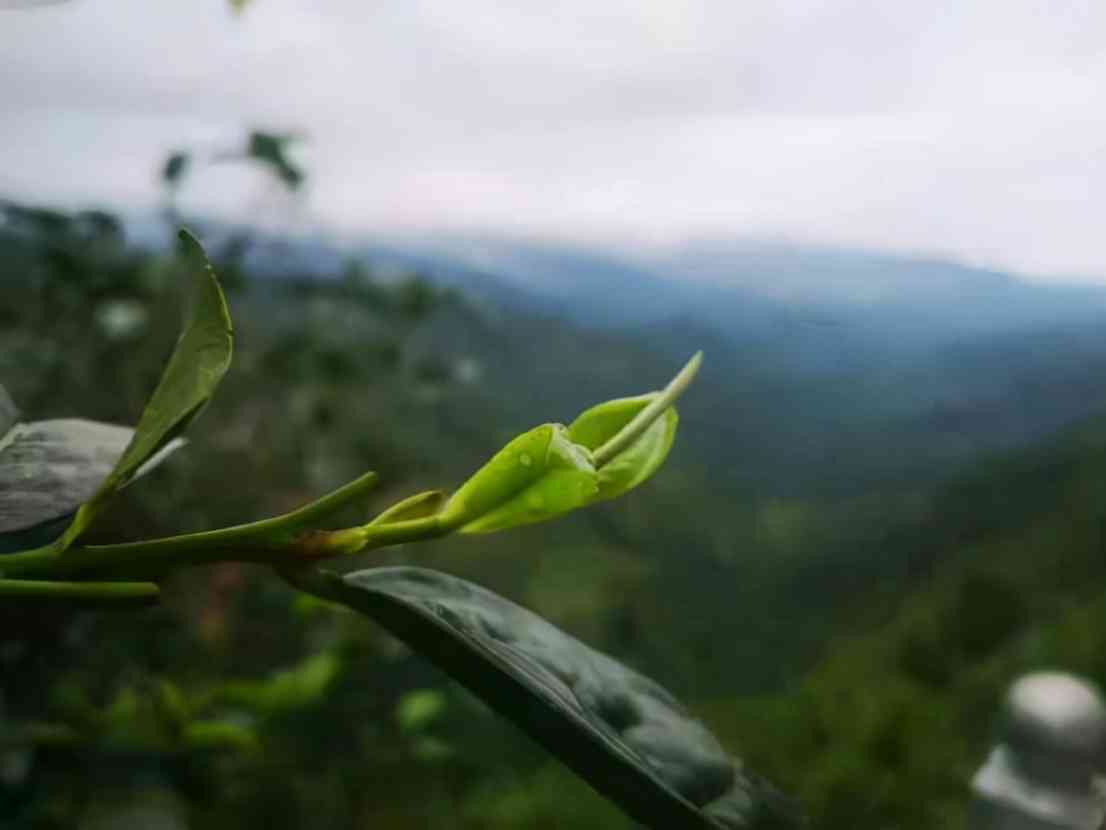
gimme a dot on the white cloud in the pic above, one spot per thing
(967, 129)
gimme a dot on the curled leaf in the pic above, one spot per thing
(609, 449)
(538, 475)
(417, 506)
(633, 465)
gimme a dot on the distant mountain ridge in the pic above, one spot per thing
(750, 290)
(769, 283)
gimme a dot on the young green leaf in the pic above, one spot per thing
(609, 449)
(199, 361)
(635, 464)
(538, 475)
(621, 732)
(418, 506)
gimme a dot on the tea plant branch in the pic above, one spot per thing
(292, 539)
(256, 541)
(542, 473)
(128, 593)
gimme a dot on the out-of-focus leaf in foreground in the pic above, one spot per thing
(621, 732)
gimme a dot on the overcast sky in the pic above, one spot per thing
(973, 129)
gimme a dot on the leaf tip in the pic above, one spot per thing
(691, 368)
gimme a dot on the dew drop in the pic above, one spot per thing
(525, 460)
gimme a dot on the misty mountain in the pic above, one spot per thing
(925, 292)
(799, 307)
(796, 307)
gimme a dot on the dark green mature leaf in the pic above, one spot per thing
(199, 361)
(640, 460)
(624, 734)
(49, 468)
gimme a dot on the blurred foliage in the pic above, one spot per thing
(176, 165)
(890, 726)
(852, 646)
(271, 150)
(268, 150)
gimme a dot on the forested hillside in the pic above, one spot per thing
(1007, 577)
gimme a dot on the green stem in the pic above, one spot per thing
(131, 593)
(256, 541)
(328, 504)
(411, 530)
(644, 419)
(29, 561)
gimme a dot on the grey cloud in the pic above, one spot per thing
(967, 129)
